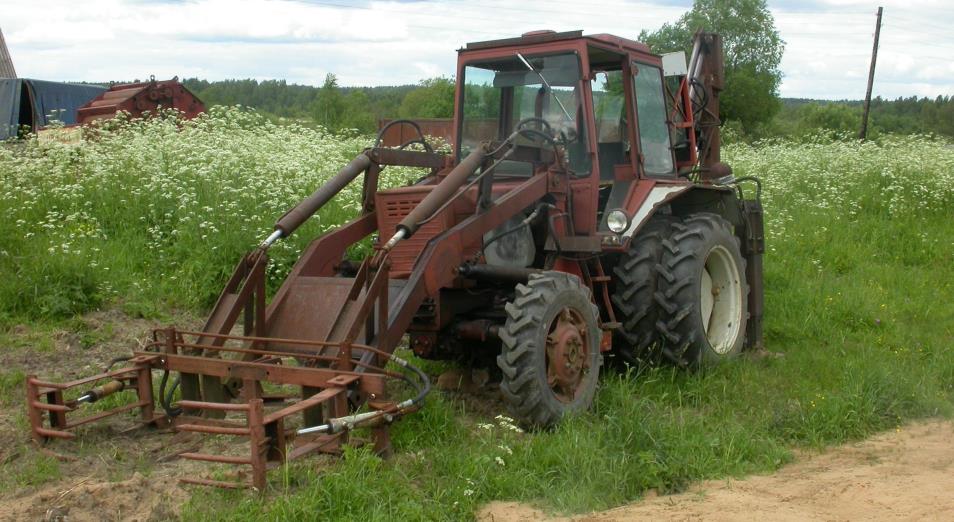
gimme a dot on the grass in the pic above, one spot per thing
(859, 265)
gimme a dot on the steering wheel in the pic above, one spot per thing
(543, 124)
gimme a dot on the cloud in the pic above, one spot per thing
(387, 42)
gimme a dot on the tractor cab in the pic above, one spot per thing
(601, 96)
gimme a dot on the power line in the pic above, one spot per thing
(464, 14)
(920, 24)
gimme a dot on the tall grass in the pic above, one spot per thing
(158, 210)
(858, 284)
(859, 270)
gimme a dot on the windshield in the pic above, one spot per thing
(499, 93)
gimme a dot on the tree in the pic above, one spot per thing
(329, 107)
(357, 112)
(752, 47)
(433, 99)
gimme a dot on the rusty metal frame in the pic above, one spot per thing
(47, 398)
(269, 438)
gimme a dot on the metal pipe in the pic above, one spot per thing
(398, 236)
(99, 392)
(271, 238)
(353, 421)
(477, 330)
(308, 206)
(442, 192)
(342, 423)
(493, 273)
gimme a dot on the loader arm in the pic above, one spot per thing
(438, 263)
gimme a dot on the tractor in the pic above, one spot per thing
(583, 213)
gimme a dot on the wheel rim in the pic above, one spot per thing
(567, 355)
(721, 299)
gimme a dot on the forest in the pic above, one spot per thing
(337, 108)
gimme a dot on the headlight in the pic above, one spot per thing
(617, 221)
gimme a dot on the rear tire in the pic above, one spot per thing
(634, 293)
(550, 354)
(702, 292)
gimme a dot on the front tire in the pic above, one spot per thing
(702, 292)
(634, 293)
(550, 354)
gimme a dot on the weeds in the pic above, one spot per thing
(858, 279)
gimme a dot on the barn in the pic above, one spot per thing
(34, 103)
(26, 103)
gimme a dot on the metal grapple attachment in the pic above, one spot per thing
(281, 390)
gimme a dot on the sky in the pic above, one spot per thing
(390, 42)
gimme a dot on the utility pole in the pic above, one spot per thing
(874, 59)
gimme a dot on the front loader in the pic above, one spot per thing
(583, 212)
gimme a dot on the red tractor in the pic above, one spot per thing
(584, 211)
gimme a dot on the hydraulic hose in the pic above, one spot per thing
(165, 399)
(349, 422)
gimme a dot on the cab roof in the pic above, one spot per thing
(536, 37)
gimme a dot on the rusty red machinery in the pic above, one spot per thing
(397, 135)
(138, 98)
(583, 212)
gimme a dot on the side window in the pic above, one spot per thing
(653, 130)
(612, 134)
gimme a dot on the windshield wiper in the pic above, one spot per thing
(546, 84)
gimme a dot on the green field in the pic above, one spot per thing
(150, 217)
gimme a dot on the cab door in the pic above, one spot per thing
(655, 155)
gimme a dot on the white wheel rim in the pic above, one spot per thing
(721, 299)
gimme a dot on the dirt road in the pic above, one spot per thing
(899, 475)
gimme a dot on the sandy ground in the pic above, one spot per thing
(902, 475)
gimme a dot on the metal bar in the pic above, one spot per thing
(218, 430)
(374, 289)
(322, 441)
(215, 483)
(442, 191)
(314, 400)
(224, 459)
(54, 433)
(144, 391)
(223, 319)
(294, 375)
(57, 418)
(498, 273)
(382, 323)
(300, 375)
(254, 338)
(304, 210)
(50, 407)
(260, 330)
(406, 158)
(295, 355)
(103, 415)
(87, 380)
(199, 405)
(192, 419)
(256, 351)
(258, 442)
(36, 417)
(275, 432)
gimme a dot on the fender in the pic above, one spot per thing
(645, 197)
